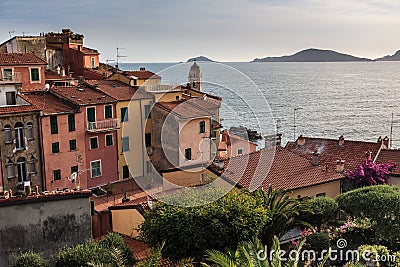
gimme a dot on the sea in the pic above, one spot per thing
(359, 100)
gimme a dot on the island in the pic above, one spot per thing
(313, 55)
(395, 57)
(200, 58)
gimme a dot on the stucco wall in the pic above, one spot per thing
(331, 189)
(126, 221)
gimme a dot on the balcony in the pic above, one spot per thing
(103, 126)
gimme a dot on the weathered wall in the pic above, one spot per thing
(331, 189)
(127, 221)
(54, 58)
(43, 227)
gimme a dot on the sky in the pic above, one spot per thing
(234, 30)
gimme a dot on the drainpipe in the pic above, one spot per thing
(43, 166)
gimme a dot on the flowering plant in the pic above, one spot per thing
(370, 173)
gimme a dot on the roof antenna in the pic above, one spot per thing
(118, 56)
(10, 32)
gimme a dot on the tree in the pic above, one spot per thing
(321, 211)
(189, 231)
(370, 173)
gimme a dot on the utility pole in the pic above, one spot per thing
(294, 123)
(118, 57)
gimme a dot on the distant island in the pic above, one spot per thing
(395, 57)
(200, 58)
(313, 55)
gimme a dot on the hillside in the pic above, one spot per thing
(200, 58)
(313, 55)
(395, 57)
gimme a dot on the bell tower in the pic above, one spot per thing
(195, 77)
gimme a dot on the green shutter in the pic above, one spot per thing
(71, 122)
(53, 125)
(91, 114)
(108, 112)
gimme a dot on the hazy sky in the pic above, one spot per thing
(235, 30)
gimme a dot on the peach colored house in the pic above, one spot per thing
(63, 141)
(137, 77)
(232, 145)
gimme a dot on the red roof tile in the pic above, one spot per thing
(15, 59)
(5, 110)
(49, 103)
(390, 156)
(352, 152)
(142, 74)
(87, 50)
(82, 95)
(184, 109)
(119, 90)
(280, 168)
(51, 75)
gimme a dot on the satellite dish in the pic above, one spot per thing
(73, 177)
(47, 87)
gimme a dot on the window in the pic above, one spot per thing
(72, 144)
(240, 151)
(7, 134)
(53, 125)
(149, 167)
(7, 74)
(29, 131)
(124, 114)
(74, 169)
(21, 165)
(32, 165)
(92, 62)
(35, 75)
(10, 170)
(147, 139)
(109, 140)
(108, 112)
(11, 98)
(91, 114)
(147, 111)
(125, 172)
(321, 195)
(55, 147)
(19, 136)
(71, 122)
(94, 142)
(188, 154)
(202, 126)
(125, 144)
(57, 175)
(95, 167)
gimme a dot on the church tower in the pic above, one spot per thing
(195, 77)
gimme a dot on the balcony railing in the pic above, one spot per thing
(102, 126)
(10, 78)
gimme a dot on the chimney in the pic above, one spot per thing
(315, 159)
(63, 71)
(301, 140)
(368, 154)
(385, 142)
(340, 166)
(379, 140)
(142, 69)
(58, 69)
(341, 140)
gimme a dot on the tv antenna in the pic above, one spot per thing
(11, 32)
(118, 57)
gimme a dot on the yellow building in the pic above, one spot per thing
(136, 78)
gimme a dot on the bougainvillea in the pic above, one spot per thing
(370, 173)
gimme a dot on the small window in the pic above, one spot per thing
(71, 122)
(10, 170)
(92, 62)
(7, 134)
(124, 114)
(19, 136)
(53, 125)
(11, 98)
(321, 195)
(55, 147)
(125, 144)
(108, 114)
(188, 154)
(7, 74)
(72, 144)
(149, 167)
(240, 151)
(148, 139)
(202, 126)
(57, 175)
(94, 143)
(74, 169)
(95, 168)
(32, 165)
(109, 140)
(125, 172)
(29, 131)
(35, 75)
(147, 111)
(177, 97)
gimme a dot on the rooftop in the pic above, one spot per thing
(15, 59)
(82, 95)
(49, 103)
(5, 110)
(142, 74)
(119, 90)
(51, 75)
(390, 156)
(184, 109)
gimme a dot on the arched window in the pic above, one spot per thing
(10, 170)
(29, 131)
(7, 134)
(21, 165)
(19, 136)
(32, 165)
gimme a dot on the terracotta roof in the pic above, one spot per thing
(51, 75)
(119, 90)
(5, 110)
(49, 103)
(390, 156)
(352, 152)
(184, 109)
(82, 95)
(15, 59)
(142, 74)
(87, 50)
(280, 168)
(93, 74)
(134, 203)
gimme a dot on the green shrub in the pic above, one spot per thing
(29, 259)
(114, 240)
(321, 211)
(374, 253)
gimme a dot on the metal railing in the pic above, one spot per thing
(104, 125)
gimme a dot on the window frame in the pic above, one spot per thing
(241, 151)
(58, 172)
(53, 124)
(31, 76)
(105, 113)
(122, 144)
(72, 141)
(21, 170)
(97, 142)
(125, 170)
(71, 123)
(202, 126)
(29, 131)
(19, 137)
(147, 111)
(14, 98)
(91, 168)
(188, 151)
(10, 166)
(55, 147)
(6, 77)
(124, 114)
(112, 140)
(7, 134)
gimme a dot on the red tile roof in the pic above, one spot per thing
(352, 152)
(15, 59)
(87, 50)
(50, 104)
(51, 75)
(82, 95)
(184, 109)
(142, 74)
(119, 90)
(5, 110)
(280, 168)
(390, 156)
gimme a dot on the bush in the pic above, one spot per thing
(114, 240)
(321, 211)
(373, 253)
(29, 259)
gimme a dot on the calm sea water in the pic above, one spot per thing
(354, 99)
